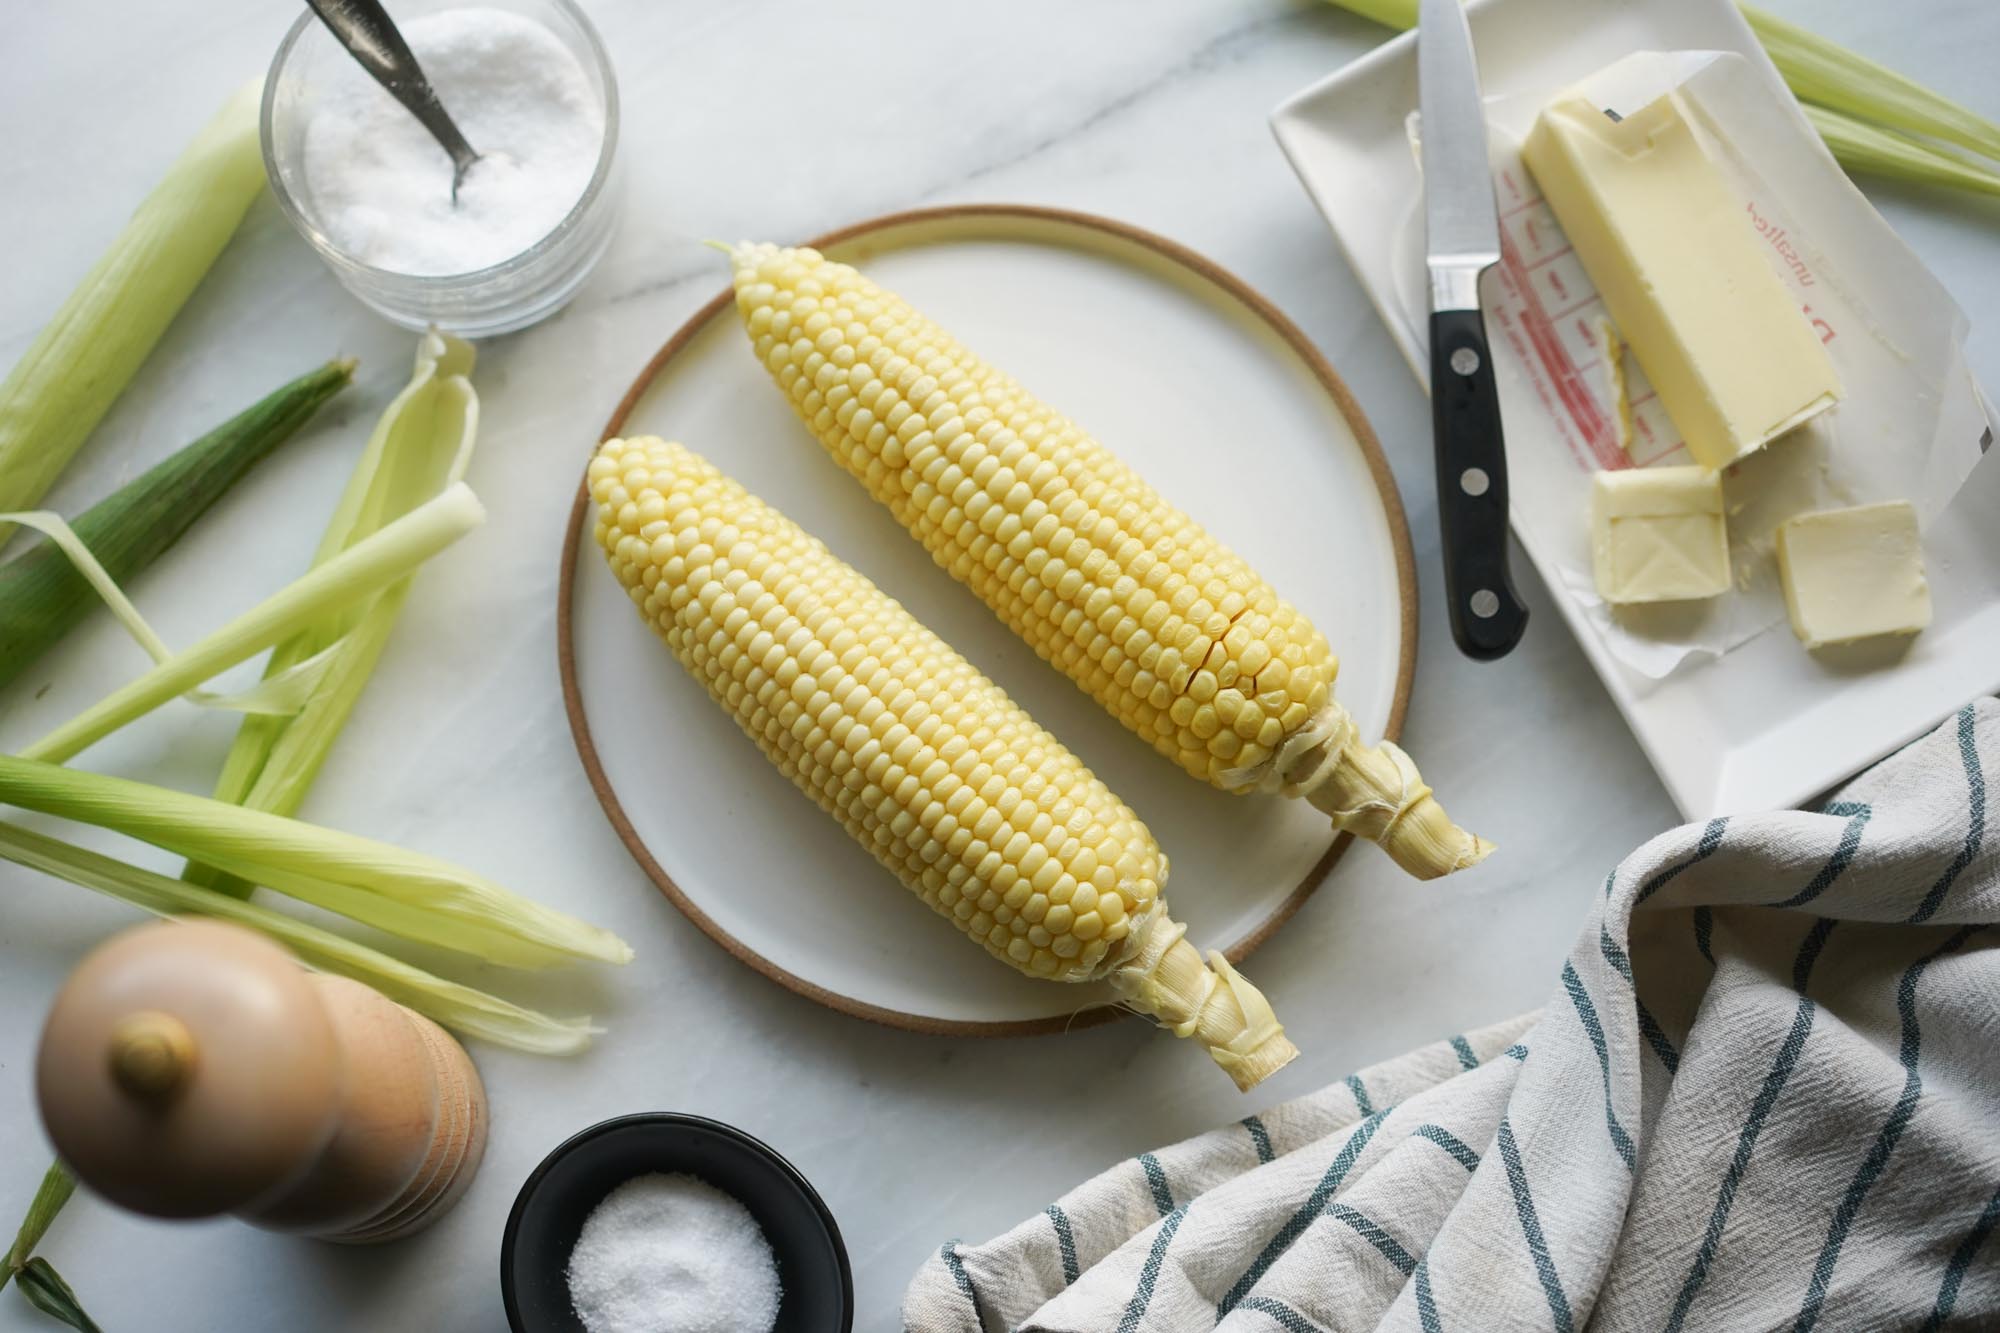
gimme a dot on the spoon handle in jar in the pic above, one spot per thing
(371, 37)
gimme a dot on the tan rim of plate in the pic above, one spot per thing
(990, 218)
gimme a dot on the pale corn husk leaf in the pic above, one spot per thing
(420, 446)
(1854, 87)
(384, 559)
(473, 1013)
(279, 695)
(406, 893)
(83, 357)
(1880, 152)
(1850, 83)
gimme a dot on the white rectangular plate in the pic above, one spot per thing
(1766, 725)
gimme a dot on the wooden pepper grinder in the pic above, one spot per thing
(191, 1068)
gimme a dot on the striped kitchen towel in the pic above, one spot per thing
(1764, 1094)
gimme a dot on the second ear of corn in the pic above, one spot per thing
(1173, 633)
(928, 764)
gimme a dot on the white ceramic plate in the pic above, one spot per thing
(1206, 389)
(1767, 725)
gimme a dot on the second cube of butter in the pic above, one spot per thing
(1658, 535)
(1854, 573)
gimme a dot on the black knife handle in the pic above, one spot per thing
(1487, 618)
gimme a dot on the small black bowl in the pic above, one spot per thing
(559, 1194)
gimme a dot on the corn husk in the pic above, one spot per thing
(1865, 101)
(1879, 152)
(1850, 83)
(473, 1013)
(82, 359)
(418, 897)
(42, 593)
(420, 447)
(385, 558)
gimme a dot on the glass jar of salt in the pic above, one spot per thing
(531, 88)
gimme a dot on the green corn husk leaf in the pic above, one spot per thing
(42, 593)
(421, 445)
(406, 893)
(1879, 152)
(83, 358)
(57, 1185)
(47, 1292)
(470, 1012)
(1855, 86)
(383, 559)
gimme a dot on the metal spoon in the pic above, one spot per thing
(370, 36)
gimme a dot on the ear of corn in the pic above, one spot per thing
(928, 764)
(1174, 634)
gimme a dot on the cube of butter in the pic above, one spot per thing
(1671, 249)
(1854, 573)
(1658, 535)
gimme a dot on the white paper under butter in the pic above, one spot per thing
(1854, 573)
(1681, 271)
(1909, 426)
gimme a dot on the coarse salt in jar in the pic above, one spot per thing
(530, 86)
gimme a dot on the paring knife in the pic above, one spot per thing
(1462, 240)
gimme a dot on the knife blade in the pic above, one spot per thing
(1462, 241)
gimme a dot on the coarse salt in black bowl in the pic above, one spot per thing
(549, 1212)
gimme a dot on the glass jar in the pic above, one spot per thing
(509, 295)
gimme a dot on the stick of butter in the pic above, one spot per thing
(1672, 252)
(1657, 534)
(1853, 573)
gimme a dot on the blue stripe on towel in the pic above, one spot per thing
(1531, 1231)
(1361, 1102)
(1156, 1177)
(1885, 1142)
(1656, 1037)
(1451, 1143)
(949, 1253)
(1283, 1315)
(1704, 930)
(1260, 1138)
(1065, 1242)
(1135, 1310)
(1427, 1310)
(1961, 1259)
(1314, 1205)
(1467, 1057)
(1587, 1013)
(1711, 838)
(1384, 1243)
(1975, 821)
(1782, 1065)
(1843, 855)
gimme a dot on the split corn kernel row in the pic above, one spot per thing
(1169, 630)
(927, 763)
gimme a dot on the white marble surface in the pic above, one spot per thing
(737, 124)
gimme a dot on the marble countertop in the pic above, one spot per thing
(737, 123)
